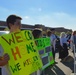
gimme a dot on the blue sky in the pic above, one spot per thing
(51, 13)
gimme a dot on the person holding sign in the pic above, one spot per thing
(37, 33)
(14, 25)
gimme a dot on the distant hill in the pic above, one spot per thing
(26, 26)
(62, 29)
(58, 29)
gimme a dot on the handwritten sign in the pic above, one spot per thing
(45, 51)
(24, 57)
(40, 43)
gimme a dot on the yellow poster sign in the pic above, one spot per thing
(24, 57)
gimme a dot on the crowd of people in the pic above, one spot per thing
(62, 43)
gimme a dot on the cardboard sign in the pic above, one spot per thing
(24, 57)
(45, 51)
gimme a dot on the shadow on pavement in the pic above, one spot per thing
(69, 63)
(55, 70)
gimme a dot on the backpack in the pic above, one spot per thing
(57, 45)
(68, 37)
(58, 40)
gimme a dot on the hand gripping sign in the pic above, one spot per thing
(24, 57)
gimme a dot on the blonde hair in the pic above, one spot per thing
(62, 34)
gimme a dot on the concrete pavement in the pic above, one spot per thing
(62, 68)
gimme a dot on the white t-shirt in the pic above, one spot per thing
(63, 40)
(5, 69)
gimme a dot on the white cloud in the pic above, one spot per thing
(26, 17)
(35, 9)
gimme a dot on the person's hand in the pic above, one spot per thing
(6, 57)
(4, 60)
